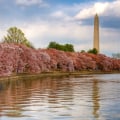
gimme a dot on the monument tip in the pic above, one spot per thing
(96, 15)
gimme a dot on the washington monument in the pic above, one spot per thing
(96, 33)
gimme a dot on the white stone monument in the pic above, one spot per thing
(96, 33)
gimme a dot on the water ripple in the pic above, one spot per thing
(87, 97)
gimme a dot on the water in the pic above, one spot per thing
(87, 97)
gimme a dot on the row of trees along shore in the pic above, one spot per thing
(15, 35)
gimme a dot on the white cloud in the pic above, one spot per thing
(98, 8)
(109, 40)
(58, 14)
(102, 8)
(61, 16)
(114, 8)
(29, 2)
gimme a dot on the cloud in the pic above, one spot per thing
(58, 14)
(102, 8)
(31, 2)
(114, 8)
(61, 16)
(109, 40)
(98, 8)
(108, 13)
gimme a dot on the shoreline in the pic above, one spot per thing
(54, 74)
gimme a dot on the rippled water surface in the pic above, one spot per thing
(88, 97)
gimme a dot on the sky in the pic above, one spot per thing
(63, 21)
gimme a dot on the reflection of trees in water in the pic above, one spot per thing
(15, 95)
(96, 98)
(11, 95)
(62, 93)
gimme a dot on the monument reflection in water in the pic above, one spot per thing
(93, 97)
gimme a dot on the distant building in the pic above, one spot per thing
(96, 33)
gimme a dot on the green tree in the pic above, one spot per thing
(94, 51)
(52, 45)
(15, 35)
(69, 47)
(66, 47)
(82, 51)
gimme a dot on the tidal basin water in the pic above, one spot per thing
(87, 97)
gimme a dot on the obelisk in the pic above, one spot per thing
(96, 33)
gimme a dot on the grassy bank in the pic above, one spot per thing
(54, 74)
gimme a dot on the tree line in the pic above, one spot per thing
(15, 35)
